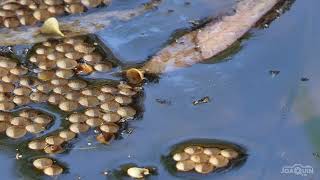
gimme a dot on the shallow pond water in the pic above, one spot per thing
(275, 118)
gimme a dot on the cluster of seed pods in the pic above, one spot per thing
(14, 13)
(203, 160)
(48, 166)
(26, 121)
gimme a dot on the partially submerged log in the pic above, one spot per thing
(212, 39)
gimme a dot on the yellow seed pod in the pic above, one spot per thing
(135, 76)
(51, 26)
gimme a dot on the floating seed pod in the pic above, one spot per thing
(123, 100)
(59, 82)
(3, 71)
(91, 3)
(37, 58)
(21, 100)
(109, 128)
(94, 122)
(50, 26)
(110, 106)
(56, 99)
(10, 78)
(199, 158)
(89, 101)
(211, 151)
(72, 95)
(42, 163)
(35, 128)
(219, 161)
(6, 87)
(79, 128)
(3, 126)
(111, 117)
(64, 73)
(29, 114)
(61, 89)
(67, 64)
(105, 138)
(204, 168)
(6, 106)
(181, 156)
(64, 48)
(19, 71)
(56, 10)
(41, 15)
(104, 97)
(15, 132)
(77, 118)
(11, 22)
(6, 97)
(29, 82)
(47, 65)
(74, 55)
(67, 135)
(20, 121)
(90, 92)
(77, 84)
(105, 67)
(68, 106)
(229, 153)
(54, 140)
(42, 50)
(42, 119)
(39, 97)
(193, 150)
(7, 63)
(93, 112)
(127, 92)
(53, 149)
(46, 75)
(55, 56)
(45, 88)
(93, 58)
(53, 170)
(138, 173)
(186, 165)
(84, 48)
(74, 8)
(27, 20)
(84, 68)
(126, 112)
(135, 76)
(37, 145)
(5, 116)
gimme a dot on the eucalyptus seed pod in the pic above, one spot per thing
(37, 58)
(39, 97)
(93, 112)
(64, 73)
(181, 156)
(89, 101)
(123, 100)
(53, 170)
(94, 122)
(75, 8)
(15, 132)
(54, 140)
(211, 151)
(37, 145)
(185, 166)
(109, 128)
(43, 50)
(59, 82)
(42, 119)
(42, 163)
(111, 117)
(21, 100)
(45, 88)
(56, 99)
(204, 168)
(77, 84)
(84, 48)
(74, 55)
(35, 128)
(54, 56)
(72, 95)
(77, 118)
(104, 97)
(126, 111)
(22, 91)
(110, 106)
(64, 48)
(67, 135)
(67, 64)
(68, 106)
(47, 65)
(219, 161)
(193, 150)
(199, 158)
(138, 173)
(79, 128)
(90, 92)
(61, 89)
(229, 153)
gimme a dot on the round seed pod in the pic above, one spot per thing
(56, 99)
(193, 150)
(94, 122)
(84, 48)
(20, 121)
(199, 158)
(3, 72)
(89, 101)
(68, 106)
(126, 111)
(42, 50)
(35, 128)
(41, 14)
(229, 153)
(6, 106)
(72, 95)
(104, 97)
(123, 100)
(11, 22)
(30, 114)
(90, 92)
(77, 84)
(64, 48)
(6, 97)
(127, 92)
(64, 73)
(74, 8)
(15, 132)
(10, 78)
(7, 63)
(56, 10)
(11, 6)
(42, 163)
(61, 89)
(27, 20)
(29, 82)
(111, 117)
(22, 91)
(211, 151)
(105, 67)
(109, 89)
(54, 140)
(21, 100)
(79, 128)
(111, 106)
(93, 58)
(105, 138)
(77, 118)
(47, 65)
(181, 156)
(109, 128)
(67, 135)
(19, 71)
(5, 116)
(53, 149)
(37, 58)
(39, 97)
(45, 88)
(219, 161)
(185, 166)
(74, 55)
(6, 87)
(204, 168)
(55, 56)
(67, 64)
(59, 82)
(42, 119)
(37, 145)
(136, 172)
(53, 170)
(3, 126)
(93, 112)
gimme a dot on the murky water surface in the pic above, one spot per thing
(275, 118)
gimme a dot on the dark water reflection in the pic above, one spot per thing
(277, 119)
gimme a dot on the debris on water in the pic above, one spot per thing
(163, 101)
(18, 156)
(274, 73)
(304, 79)
(137, 172)
(201, 101)
(48, 166)
(135, 76)
(51, 26)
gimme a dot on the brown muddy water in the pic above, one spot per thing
(273, 117)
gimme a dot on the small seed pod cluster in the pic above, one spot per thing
(27, 121)
(15, 13)
(203, 160)
(48, 166)
(68, 57)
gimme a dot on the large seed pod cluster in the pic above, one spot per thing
(68, 57)
(27, 121)
(203, 160)
(14, 13)
(48, 166)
